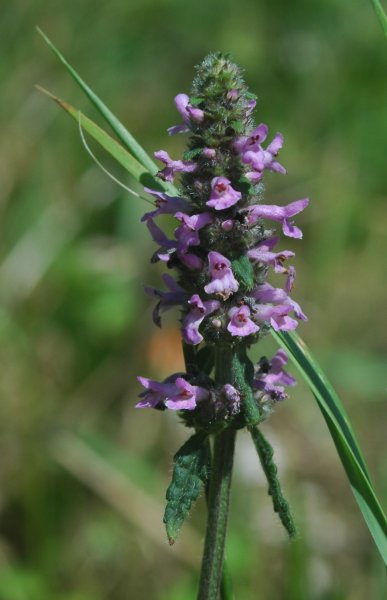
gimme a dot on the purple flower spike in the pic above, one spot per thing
(166, 205)
(166, 300)
(263, 253)
(192, 321)
(187, 112)
(222, 194)
(173, 166)
(223, 281)
(240, 323)
(187, 395)
(278, 213)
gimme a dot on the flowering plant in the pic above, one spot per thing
(222, 253)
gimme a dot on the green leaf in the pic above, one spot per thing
(281, 507)
(238, 126)
(190, 154)
(381, 15)
(190, 474)
(130, 164)
(244, 271)
(121, 132)
(342, 435)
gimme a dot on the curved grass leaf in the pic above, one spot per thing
(114, 148)
(121, 132)
(190, 473)
(381, 15)
(342, 435)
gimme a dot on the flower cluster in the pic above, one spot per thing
(223, 248)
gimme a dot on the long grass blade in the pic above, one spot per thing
(381, 15)
(342, 435)
(129, 142)
(114, 148)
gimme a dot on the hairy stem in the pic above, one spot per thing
(226, 587)
(218, 498)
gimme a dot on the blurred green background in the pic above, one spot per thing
(83, 474)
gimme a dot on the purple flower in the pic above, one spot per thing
(263, 253)
(253, 154)
(155, 392)
(165, 205)
(267, 293)
(277, 373)
(191, 322)
(240, 323)
(252, 141)
(167, 246)
(187, 112)
(222, 281)
(187, 235)
(175, 296)
(277, 316)
(180, 395)
(222, 194)
(271, 377)
(173, 166)
(186, 396)
(278, 213)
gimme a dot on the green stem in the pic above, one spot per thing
(218, 497)
(226, 587)
(218, 502)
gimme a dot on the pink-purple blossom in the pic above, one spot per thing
(267, 293)
(192, 321)
(187, 112)
(222, 281)
(180, 395)
(173, 166)
(281, 214)
(166, 300)
(271, 377)
(240, 323)
(165, 204)
(277, 316)
(223, 194)
(252, 141)
(253, 154)
(263, 253)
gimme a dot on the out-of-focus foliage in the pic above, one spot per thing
(83, 474)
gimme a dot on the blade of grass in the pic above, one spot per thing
(129, 142)
(114, 148)
(381, 15)
(342, 435)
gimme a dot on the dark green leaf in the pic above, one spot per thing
(190, 473)
(244, 272)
